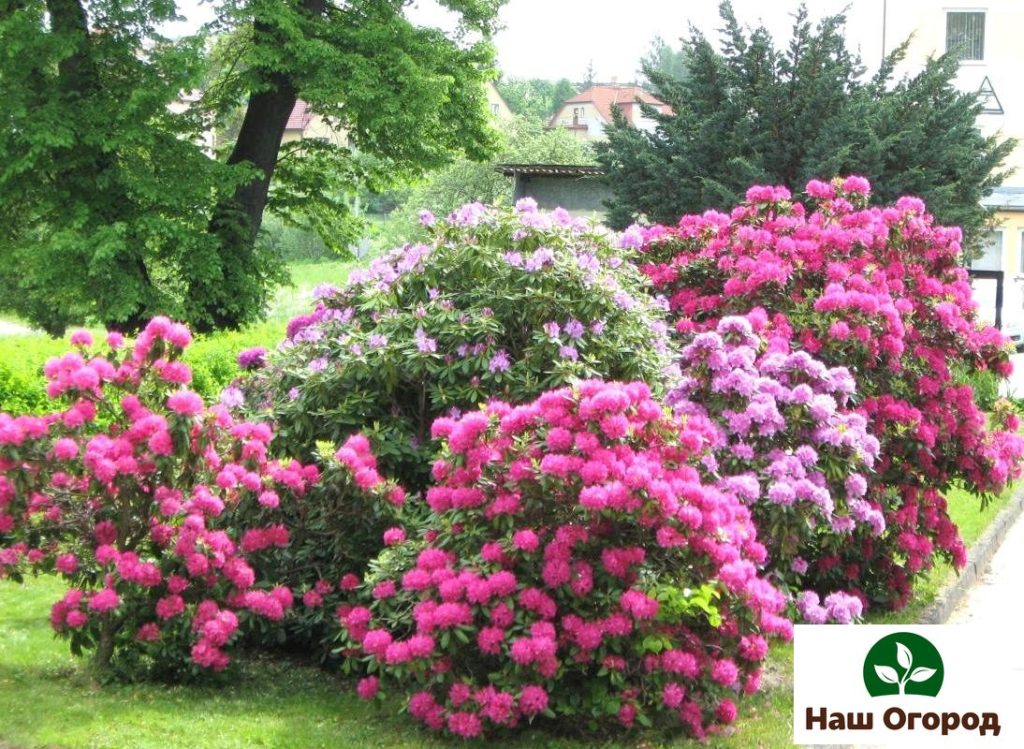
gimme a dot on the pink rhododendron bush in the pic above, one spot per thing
(130, 494)
(789, 443)
(575, 569)
(881, 292)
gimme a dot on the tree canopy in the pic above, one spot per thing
(116, 213)
(538, 98)
(756, 113)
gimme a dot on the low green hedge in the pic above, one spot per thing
(212, 358)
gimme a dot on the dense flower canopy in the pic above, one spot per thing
(130, 493)
(572, 548)
(880, 291)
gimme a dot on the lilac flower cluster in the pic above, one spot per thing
(787, 445)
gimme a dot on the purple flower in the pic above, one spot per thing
(799, 565)
(552, 328)
(526, 205)
(542, 257)
(499, 362)
(574, 329)
(569, 352)
(632, 238)
(232, 397)
(293, 394)
(624, 300)
(470, 214)
(377, 341)
(317, 365)
(253, 358)
(427, 218)
(597, 327)
(323, 290)
(424, 344)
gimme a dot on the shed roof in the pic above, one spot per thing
(551, 170)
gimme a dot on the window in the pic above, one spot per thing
(494, 108)
(991, 257)
(965, 34)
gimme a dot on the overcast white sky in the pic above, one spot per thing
(557, 38)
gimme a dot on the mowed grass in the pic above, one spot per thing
(48, 699)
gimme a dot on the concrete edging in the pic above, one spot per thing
(979, 557)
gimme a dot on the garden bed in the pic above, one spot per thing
(48, 698)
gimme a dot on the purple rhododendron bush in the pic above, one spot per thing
(789, 443)
(881, 292)
(130, 494)
(503, 303)
(575, 568)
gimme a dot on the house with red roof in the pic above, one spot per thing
(587, 113)
(303, 122)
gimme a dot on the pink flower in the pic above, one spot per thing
(466, 725)
(394, 536)
(76, 619)
(81, 338)
(106, 600)
(526, 540)
(66, 564)
(185, 402)
(368, 687)
(65, 448)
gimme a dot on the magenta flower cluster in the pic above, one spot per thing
(130, 494)
(571, 544)
(883, 292)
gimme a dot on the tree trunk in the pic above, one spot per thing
(79, 78)
(236, 221)
(105, 647)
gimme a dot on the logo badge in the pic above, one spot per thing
(903, 663)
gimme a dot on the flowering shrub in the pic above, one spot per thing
(130, 494)
(788, 445)
(575, 569)
(881, 292)
(342, 523)
(499, 304)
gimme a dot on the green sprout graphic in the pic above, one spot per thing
(905, 659)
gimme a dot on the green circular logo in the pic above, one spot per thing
(903, 663)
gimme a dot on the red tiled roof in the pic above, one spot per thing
(300, 116)
(605, 97)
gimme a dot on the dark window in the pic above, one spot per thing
(965, 34)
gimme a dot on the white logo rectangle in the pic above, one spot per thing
(939, 685)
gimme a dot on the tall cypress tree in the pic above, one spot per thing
(756, 113)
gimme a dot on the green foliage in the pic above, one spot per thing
(22, 387)
(757, 113)
(103, 178)
(984, 383)
(535, 98)
(665, 61)
(117, 213)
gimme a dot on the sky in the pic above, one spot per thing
(559, 38)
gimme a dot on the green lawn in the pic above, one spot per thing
(47, 698)
(290, 301)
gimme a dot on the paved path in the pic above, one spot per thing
(10, 328)
(997, 596)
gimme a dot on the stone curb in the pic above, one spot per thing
(979, 557)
